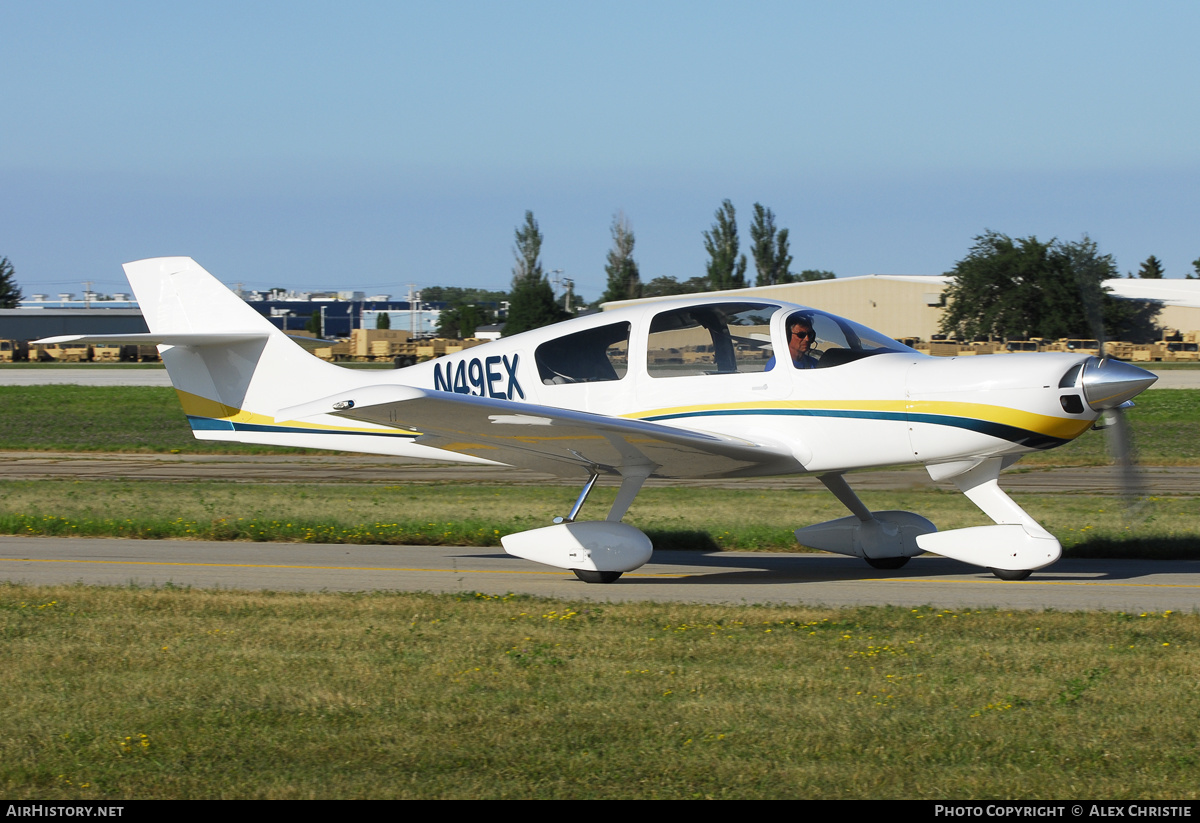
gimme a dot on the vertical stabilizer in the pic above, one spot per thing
(178, 296)
(221, 383)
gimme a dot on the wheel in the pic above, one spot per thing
(1011, 574)
(885, 562)
(596, 577)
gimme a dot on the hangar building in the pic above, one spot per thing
(911, 305)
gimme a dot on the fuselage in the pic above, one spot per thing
(710, 365)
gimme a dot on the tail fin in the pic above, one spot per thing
(234, 369)
(177, 296)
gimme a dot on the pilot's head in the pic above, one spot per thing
(800, 335)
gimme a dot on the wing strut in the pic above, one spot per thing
(837, 484)
(632, 478)
(583, 496)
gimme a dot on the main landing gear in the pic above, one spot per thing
(596, 551)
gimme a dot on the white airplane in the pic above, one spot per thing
(705, 387)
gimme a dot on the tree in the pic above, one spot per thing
(383, 320)
(531, 302)
(624, 282)
(1151, 269)
(1027, 288)
(457, 294)
(664, 286)
(314, 322)
(461, 320)
(1196, 266)
(770, 249)
(10, 292)
(725, 269)
(814, 274)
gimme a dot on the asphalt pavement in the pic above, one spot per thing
(692, 577)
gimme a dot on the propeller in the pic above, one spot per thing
(1108, 387)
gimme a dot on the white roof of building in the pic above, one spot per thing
(1169, 292)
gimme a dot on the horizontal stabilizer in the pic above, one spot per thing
(187, 339)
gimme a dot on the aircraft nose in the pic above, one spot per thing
(1109, 383)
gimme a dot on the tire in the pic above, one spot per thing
(885, 562)
(596, 577)
(1011, 574)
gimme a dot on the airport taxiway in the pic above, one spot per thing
(694, 577)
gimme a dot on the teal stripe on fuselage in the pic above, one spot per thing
(212, 424)
(1013, 434)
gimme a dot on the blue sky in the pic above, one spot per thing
(371, 145)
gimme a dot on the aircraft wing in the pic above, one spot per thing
(181, 339)
(557, 441)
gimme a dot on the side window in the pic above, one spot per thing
(588, 356)
(730, 338)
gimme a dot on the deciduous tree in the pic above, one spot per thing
(663, 286)
(461, 319)
(531, 302)
(1026, 288)
(814, 274)
(624, 282)
(770, 249)
(725, 269)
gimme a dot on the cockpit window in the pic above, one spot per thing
(817, 340)
(728, 338)
(589, 356)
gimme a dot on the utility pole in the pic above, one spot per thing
(568, 298)
(412, 312)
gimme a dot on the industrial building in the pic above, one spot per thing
(912, 305)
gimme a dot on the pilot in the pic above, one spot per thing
(800, 340)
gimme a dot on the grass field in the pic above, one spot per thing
(477, 515)
(124, 693)
(169, 693)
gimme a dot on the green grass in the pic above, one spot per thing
(104, 418)
(165, 693)
(477, 515)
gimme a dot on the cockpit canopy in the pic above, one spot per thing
(709, 339)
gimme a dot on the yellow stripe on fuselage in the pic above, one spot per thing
(197, 406)
(1063, 428)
